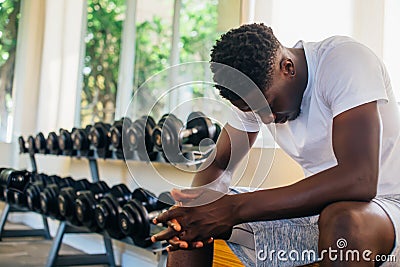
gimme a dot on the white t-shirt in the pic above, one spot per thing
(342, 74)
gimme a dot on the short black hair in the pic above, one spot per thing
(250, 49)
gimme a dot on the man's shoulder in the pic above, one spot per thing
(331, 45)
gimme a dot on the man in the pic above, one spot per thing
(336, 115)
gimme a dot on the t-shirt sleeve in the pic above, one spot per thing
(352, 76)
(244, 121)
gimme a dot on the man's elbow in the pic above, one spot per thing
(366, 184)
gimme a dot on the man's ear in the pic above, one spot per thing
(287, 66)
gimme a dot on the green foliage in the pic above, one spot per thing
(9, 15)
(153, 45)
(198, 24)
(103, 45)
(9, 18)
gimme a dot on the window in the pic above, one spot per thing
(9, 17)
(198, 32)
(154, 30)
(162, 40)
(167, 32)
(100, 71)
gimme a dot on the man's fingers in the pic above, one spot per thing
(175, 242)
(168, 215)
(175, 225)
(197, 244)
(164, 235)
(190, 236)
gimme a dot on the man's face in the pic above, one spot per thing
(275, 104)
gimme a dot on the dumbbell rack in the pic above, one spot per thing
(55, 259)
(65, 227)
(23, 233)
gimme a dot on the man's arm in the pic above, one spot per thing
(355, 141)
(356, 147)
(225, 156)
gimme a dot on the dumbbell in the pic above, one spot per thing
(137, 214)
(49, 197)
(41, 144)
(13, 181)
(21, 198)
(22, 145)
(99, 139)
(165, 137)
(85, 204)
(65, 142)
(169, 136)
(13, 184)
(81, 143)
(139, 138)
(107, 210)
(32, 150)
(2, 188)
(117, 135)
(33, 190)
(66, 200)
(52, 144)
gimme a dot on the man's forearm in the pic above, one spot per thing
(208, 175)
(305, 198)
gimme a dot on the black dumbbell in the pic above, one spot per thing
(32, 150)
(20, 198)
(99, 139)
(2, 188)
(49, 197)
(65, 142)
(14, 179)
(139, 138)
(41, 144)
(66, 200)
(86, 202)
(108, 208)
(166, 137)
(52, 144)
(13, 184)
(22, 145)
(198, 128)
(33, 190)
(118, 138)
(170, 135)
(81, 143)
(137, 214)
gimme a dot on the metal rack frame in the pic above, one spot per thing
(55, 259)
(12, 209)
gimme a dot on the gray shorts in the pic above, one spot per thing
(294, 242)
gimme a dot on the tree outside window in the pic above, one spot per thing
(9, 18)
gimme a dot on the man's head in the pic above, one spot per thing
(251, 49)
(254, 51)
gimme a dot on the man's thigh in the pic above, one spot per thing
(294, 241)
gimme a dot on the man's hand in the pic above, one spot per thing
(195, 226)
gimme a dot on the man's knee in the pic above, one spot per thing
(339, 217)
(340, 220)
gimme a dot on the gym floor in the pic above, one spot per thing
(33, 252)
(18, 252)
